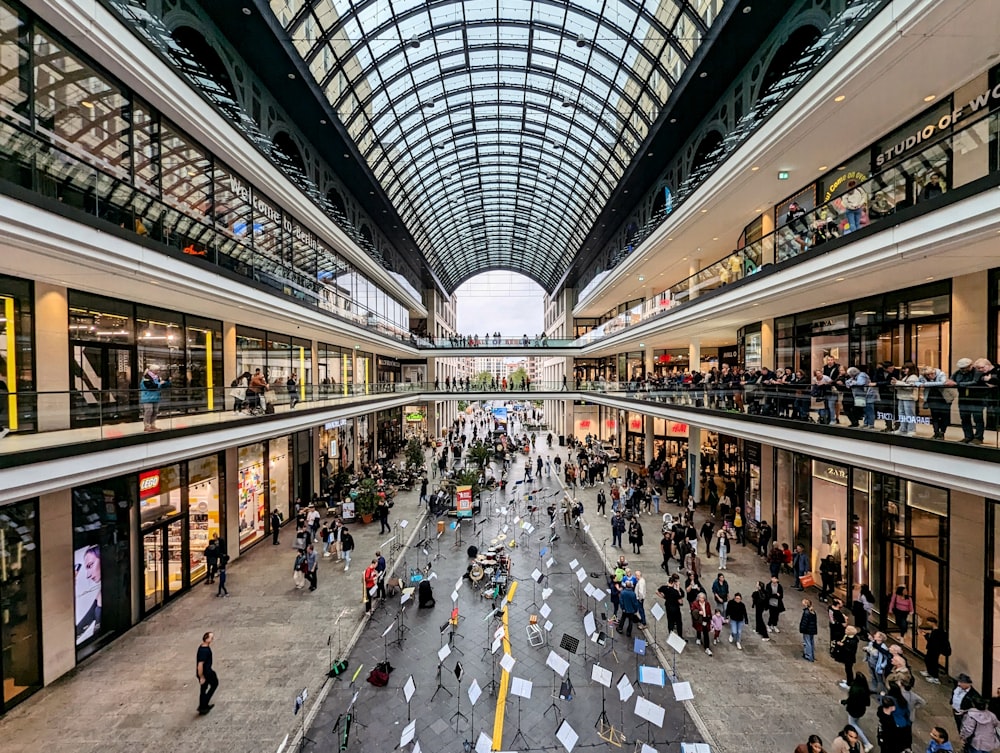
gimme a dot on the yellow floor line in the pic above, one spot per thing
(504, 678)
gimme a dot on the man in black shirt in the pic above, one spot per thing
(207, 679)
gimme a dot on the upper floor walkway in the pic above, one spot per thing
(114, 437)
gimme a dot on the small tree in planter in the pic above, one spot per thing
(479, 454)
(415, 455)
(367, 500)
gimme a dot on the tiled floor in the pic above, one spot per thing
(272, 641)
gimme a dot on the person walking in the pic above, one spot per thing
(722, 546)
(208, 680)
(347, 545)
(423, 490)
(222, 590)
(701, 620)
(759, 600)
(708, 534)
(635, 535)
(800, 565)
(382, 511)
(292, 384)
(845, 651)
(720, 591)
(857, 702)
(275, 526)
(212, 560)
(895, 733)
(738, 527)
(775, 604)
(312, 564)
(736, 613)
(847, 741)
(901, 606)
(963, 698)
(673, 598)
(877, 658)
(938, 645)
(808, 628)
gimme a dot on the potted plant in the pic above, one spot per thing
(366, 500)
(415, 454)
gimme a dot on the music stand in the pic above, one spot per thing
(459, 672)
(559, 666)
(442, 655)
(453, 624)
(639, 649)
(536, 578)
(474, 692)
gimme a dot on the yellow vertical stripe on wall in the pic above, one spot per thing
(8, 311)
(209, 374)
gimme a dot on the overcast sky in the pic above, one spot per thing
(503, 302)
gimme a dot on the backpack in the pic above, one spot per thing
(379, 677)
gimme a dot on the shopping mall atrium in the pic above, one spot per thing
(767, 238)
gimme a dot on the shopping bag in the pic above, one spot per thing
(807, 580)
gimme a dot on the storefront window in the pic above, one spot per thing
(17, 374)
(784, 484)
(203, 338)
(280, 462)
(102, 571)
(204, 510)
(160, 340)
(253, 494)
(250, 352)
(829, 510)
(861, 538)
(160, 499)
(20, 619)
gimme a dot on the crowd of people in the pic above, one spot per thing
(860, 395)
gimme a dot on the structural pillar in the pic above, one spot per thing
(693, 266)
(767, 344)
(55, 519)
(694, 462)
(52, 349)
(648, 438)
(230, 366)
(231, 532)
(694, 354)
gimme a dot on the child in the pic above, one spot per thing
(787, 567)
(717, 622)
(223, 591)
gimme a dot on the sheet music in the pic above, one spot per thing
(682, 691)
(557, 664)
(545, 611)
(548, 626)
(507, 662)
(601, 675)
(474, 691)
(546, 593)
(536, 574)
(409, 732)
(651, 712)
(676, 643)
(409, 688)
(581, 575)
(550, 562)
(573, 564)
(386, 631)
(657, 611)
(444, 653)
(567, 736)
(625, 689)
(484, 744)
(652, 675)
(496, 645)
(589, 624)
(520, 687)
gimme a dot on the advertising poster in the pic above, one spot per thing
(463, 501)
(500, 417)
(87, 590)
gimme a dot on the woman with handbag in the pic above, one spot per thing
(775, 604)
(759, 601)
(981, 729)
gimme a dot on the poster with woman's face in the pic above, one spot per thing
(87, 591)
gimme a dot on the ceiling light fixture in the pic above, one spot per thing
(581, 41)
(413, 43)
(747, 9)
(673, 120)
(755, 168)
(840, 279)
(715, 239)
(291, 76)
(840, 98)
(703, 211)
(322, 121)
(246, 11)
(703, 74)
(930, 98)
(641, 278)
(89, 105)
(824, 167)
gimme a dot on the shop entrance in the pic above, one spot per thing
(922, 576)
(102, 385)
(163, 564)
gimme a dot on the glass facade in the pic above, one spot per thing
(253, 506)
(69, 131)
(880, 530)
(112, 342)
(20, 611)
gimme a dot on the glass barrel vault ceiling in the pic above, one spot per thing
(497, 128)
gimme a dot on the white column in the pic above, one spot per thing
(232, 529)
(55, 519)
(694, 461)
(52, 349)
(693, 266)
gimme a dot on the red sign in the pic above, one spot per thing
(676, 428)
(665, 358)
(584, 423)
(149, 484)
(635, 424)
(611, 423)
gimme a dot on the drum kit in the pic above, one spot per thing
(490, 571)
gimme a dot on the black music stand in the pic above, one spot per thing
(459, 672)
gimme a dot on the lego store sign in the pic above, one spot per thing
(149, 484)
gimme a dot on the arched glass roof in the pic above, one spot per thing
(498, 128)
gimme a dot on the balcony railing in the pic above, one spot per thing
(48, 420)
(798, 405)
(961, 157)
